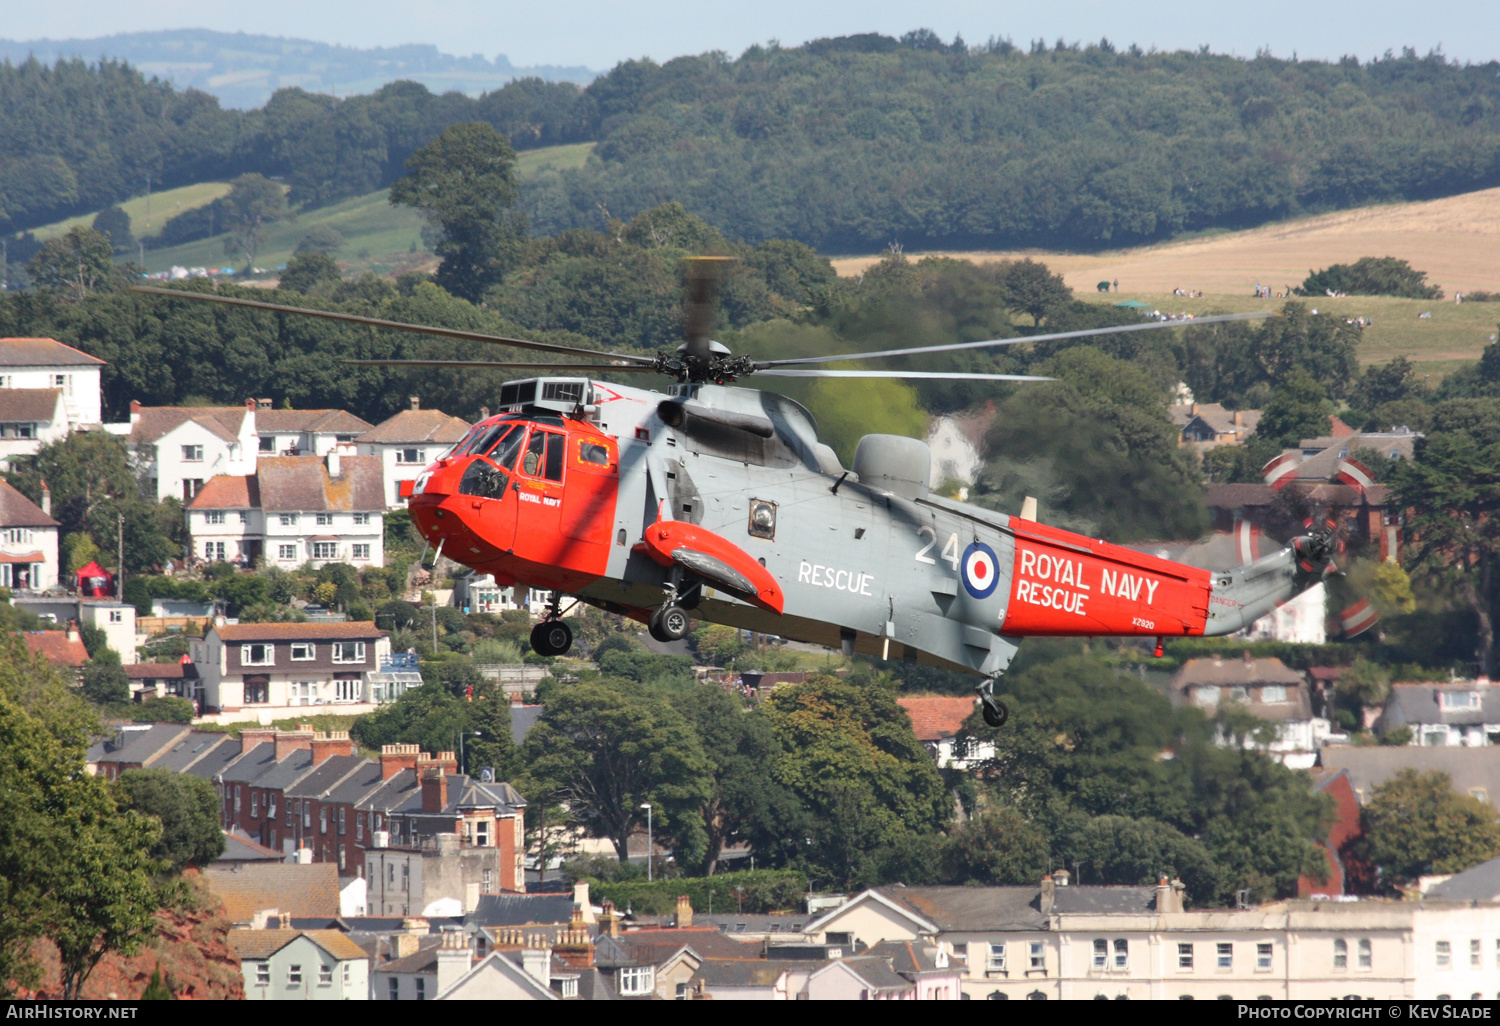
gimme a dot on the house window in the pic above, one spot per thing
(362, 551)
(1263, 958)
(192, 454)
(489, 881)
(267, 443)
(214, 516)
(1038, 958)
(325, 975)
(262, 974)
(325, 550)
(18, 430)
(254, 805)
(288, 520)
(359, 828)
(116, 616)
(1101, 953)
(1226, 956)
(257, 692)
(1444, 955)
(1458, 700)
(213, 550)
(303, 651)
(421, 989)
(258, 654)
(1273, 694)
(286, 552)
(238, 793)
(996, 961)
(290, 811)
(325, 519)
(1475, 956)
(348, 651)
(361, 520)
(294, 975)
(1207, 696)
(343, 828)
(1184, 956)
(64, 382)
(346, 973)
(341, 858)
(1122, 954)
(394, 988)
(1341, 954)
(306, 815)
(271, 805)
(482, 833)
(322, 821)
(409, 456)
(569, 986)
(637, 979)
(16, 536)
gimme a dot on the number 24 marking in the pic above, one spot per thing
(950, 549)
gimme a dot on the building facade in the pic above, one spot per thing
(178, 449)
(28, 543)
(304, 432)
(271, 667)
(29, 419)
(45, 363)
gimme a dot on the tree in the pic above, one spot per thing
(716, 644)
(187, 808)
(996, 848)
(320, 238)
(430, 716)
(306, 271)
(83, 470)
(1371, 276)
(1033, 289)
(253, 203)
(1415, 823)
(1298, 409)
(114, 224)
(605, 748)
(1135, 852)
(105, 682)
(464, 181)
(75, 264)
(495, 746)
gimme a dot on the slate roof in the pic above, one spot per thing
(423, 960)
(194, 746)
(522, 719)
(656, 946)
(328, 773)
(316, 421)
(1471, 768)
(143, 745)
(934, 717)
(877, 972)
(226, 492)
(1481, 883)
(35, 404)
(216, 759)
(363, 630)
(1244, 496)
(740, 972)
(911, 958)
(284, 774)
(358, 785)
(43, 352)
(298, 890)
(1418, 703)
(734, 924)
(1220, 420)
(18, 511)
(150, 423)
(302, 484)
(522, 909)
(464, 792)
(1104, 900)
(416, 426)
(980, 909)
(57, 648)
(1321, 455)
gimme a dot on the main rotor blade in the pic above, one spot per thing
(920, 375)
(493, 365)
(701, 304)
(375, 322)
(951, 347)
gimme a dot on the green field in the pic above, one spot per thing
(147, 215)
(1453, 335)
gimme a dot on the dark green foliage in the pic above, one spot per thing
(320, 238)
(254, 202)
(114, 224)
(1298, 409)
(105, 682)
(74, 265)
(96, 642)
(157, 989)
(309, 270)
(395, 615)
(1371, 276)
(996, 848)
(187, 808)
(1415, 823)
(428, 716)
(1123, 851)
(749, 891)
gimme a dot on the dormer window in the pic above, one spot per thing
(1273, 694)
(1458, 700)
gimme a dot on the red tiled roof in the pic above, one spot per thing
(297, 890)
(225, 492)
(355, 629)
(938, 716)
(42, 352)
(417, 426)
(340, 421)
(140, 671)
(57, 648)
(18, 511)
(33, 404)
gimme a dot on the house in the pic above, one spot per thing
(163, 680)
(45, 363)
(406, 443)
(179, 448)
(115, 619)
(1479, 883)
(1465, 713)
(264, 667)
(29, 419)
(663, 962)
(261, 889)
(1265, 688)
(750, 979)
(938, 721)
(858, 979)
(63, 649)
(239, 849)
(503, 976)
(1320, 456)
(304, 432)
(301, 965)
(1206, 426)
(28, 543)
(293, 510)
(1474, 771)
(134, 746)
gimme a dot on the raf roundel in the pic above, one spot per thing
(980, 570)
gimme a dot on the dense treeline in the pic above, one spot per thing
(842, 143)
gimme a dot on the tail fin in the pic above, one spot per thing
(1243, 595)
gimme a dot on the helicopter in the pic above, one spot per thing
(718, 502)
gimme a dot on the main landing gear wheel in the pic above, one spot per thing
(669, 623)
(551, 638)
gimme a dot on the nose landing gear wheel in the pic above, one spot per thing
(995, 712)
(551, 638)
(669, 623)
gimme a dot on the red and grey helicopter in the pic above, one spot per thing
(719, 502)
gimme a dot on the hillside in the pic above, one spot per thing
(243, 70)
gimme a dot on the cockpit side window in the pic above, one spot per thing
(535, 453)
(483, 442)
(555, 446)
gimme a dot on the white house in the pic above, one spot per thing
(292, 510)
(179, 448)
(116, 620)
(265, 667)
(304, 432)
(28, 543)
(44, 363)
(1465, 713)
(409, 441)
(1267, 689)
(29, 419)
(301, 965)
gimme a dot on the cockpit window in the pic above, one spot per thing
(483, 480)
(505, 452)
(535, 452)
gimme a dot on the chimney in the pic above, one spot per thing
(471, 897)
(581, 904)
(484, 413)
(46, 499)
(416, 402)
(684, 912)
(252, 736)
(289, 741)
(335, 462)
(304, 856)
(335, 742)
(262, 404)
(73, 633)
(452, 958)
(404, 944)
(1060, 877)
(434, 790)
(1193, 409)
(446, 761)
(251, 404)
(135, 410)
(609, 922)
(1048, 895)
(1163, 896)
(537, 962)
(395, 758)
(1239, 418)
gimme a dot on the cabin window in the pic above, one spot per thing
(555, 444)
(535, 454)
(483, 480)
(588, 452)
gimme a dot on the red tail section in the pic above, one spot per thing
(1065, 584)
